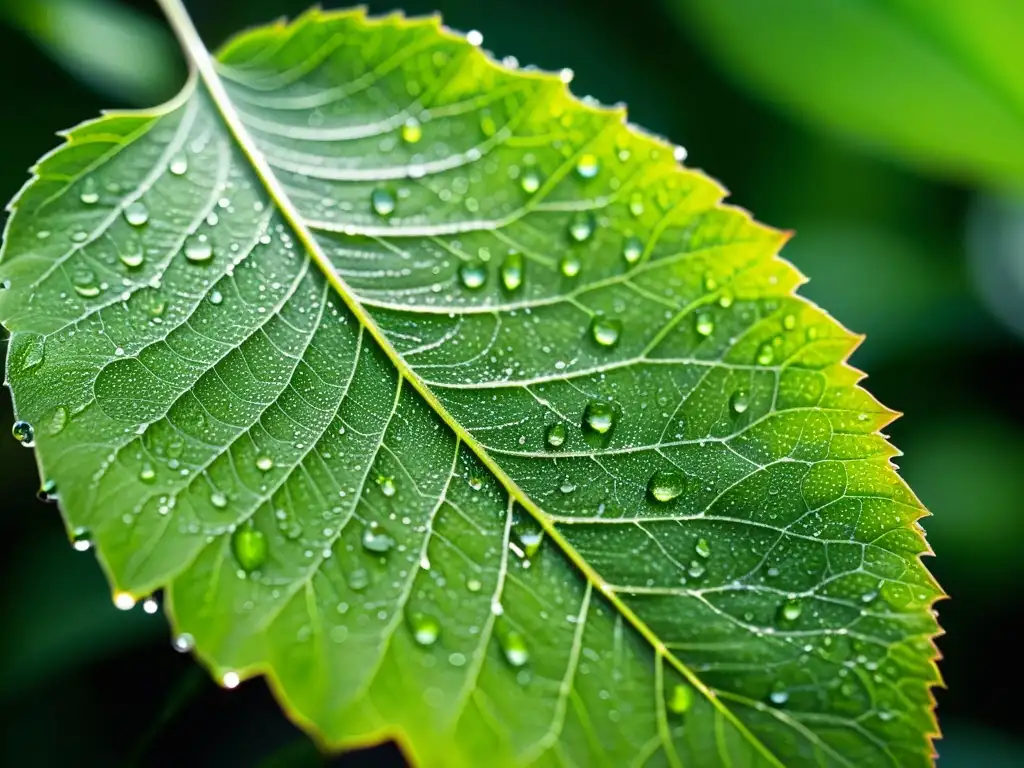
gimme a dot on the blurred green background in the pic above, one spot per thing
(888, 133)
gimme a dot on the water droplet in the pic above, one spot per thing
(79, 236)
(766, 354)
(725, 300)
(474, 585)
(136, 214)
(791, 610)
(606, 330)
(488, 127)
(184, 642)
(150, 605)
(85, 285)
(48, 492)
(636, 204)
(666, 485)
(703, 548)
(198, 250)
(358, 580)
(179, 165)
(779, 696)
(89, 194)
(705, 324)
(588, 166)
(599, 416)
(230, 680)
(147, 474)
(570, 265)
(59, 420)
(383, 202)
(789, 322)
(218, 499)
(632, 250)
(386, 485)
(376, 540)
(514, 647)
(216, 298)
(530, 182)
(24, 433)
(473, 275)
(512, 271)
(412, 131)
(739, 401)
(681, 699)
(250, 548)
(582, 227)
(123, 601)
(264, 463)
(476, 482)
(81, 539)
(531, 540)
(425, 629)
(132, 255)
(556, 435)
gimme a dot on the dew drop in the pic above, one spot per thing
(514, 647)
(386, 485)
(198, 250)
(179, 165)
(605, 330)
(512, 271)
(791, 610)
(636, 204)
(570, 265)
(48, 492)
(250, 548)
(136, 214)
(147, 474)
(703, 548)
(599, 416)
(681, 699)
(79, 236)
(531, 540)
(81, 539)
(632, 250)
(123, 601)
(150, 605)
(588, 166)
(230, 680)
(474, 585)
(412, 131)
(556, 435)
(376, 540)
(789, 322)
(85, 284)
(666, 485)
(582, 227)
(766, 354)
(358, 580)
(425, 629)
(739, 401)
(779, 695)
(476, 483)
(59, 420)
(218, 499)
(216, 298)
(530, 182)
(89, 194)
(24, 433)
(264, 463)
(132, 255)
(383, 202)
(705, 324)
(183, 643)
(473, 275)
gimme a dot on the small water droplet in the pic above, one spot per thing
(512, 271)
(666, 485)
(704, 324)
(530, 182)
(599, 416)
(230, 680)
(250, 548)
(779, 695)
(48, 492)
(606, 330)
(150, 605)
(264, 463)
(383, 202)
(81, 539)
(136, 214)
(739, 401)
(89, 194)
(24, 433)
(386, 485)
(179, 165)
(132, 255)
(376, 540)
(570, 265)
(123, 601)
(789, 322)
(358, 579)
(582, 227)
(531, 540)
(184, 642)
(556, 435)
(791, 610)
(588, 166)
(636, 204)
(703, 548)
(198, 250)
(632, 250)
(473, 275)
(218, 499)
(766, 354)
(84, 281)
(412, 131)
(59, 420)
(474, 585)
(514, 647)
(147, 474)
(216, 298)
(476, 482)
(425, 629)
(681, 699)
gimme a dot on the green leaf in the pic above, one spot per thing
(936, 84)
(461, 411)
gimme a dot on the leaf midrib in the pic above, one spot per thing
(199, 57)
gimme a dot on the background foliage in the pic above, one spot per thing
(931, 269)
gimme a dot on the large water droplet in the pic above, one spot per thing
(375, 539)
(179, 165)
(739, 401)
(791, 610)
(183, 643)
(250, 548)
(147, 474)
(473, 275)
(514, 647)
(588, 166)
(131, 254)
(386, 484)
(48, 492)
(599, 416)
(84, 281)
(512, 271)
(632, 250)
(789, 322)
(556, 435)
(530, 540)
(636, 204)
(136, 214)
(681, 699)
(704, 324)
(81, 539)
(666, 485)
(582, 227)
(425, 629)
(89, 194)
(570, 265)
(124, 601)
(412, 131)
(218, 500)
(24, 433)
(779, 695)
(530, 182)
(383, 202)
(264, 463)
(198, 249)
(606, 330)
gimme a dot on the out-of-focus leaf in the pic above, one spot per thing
(462, 411)
(936, 83)
(119, 51)
(995, 240)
